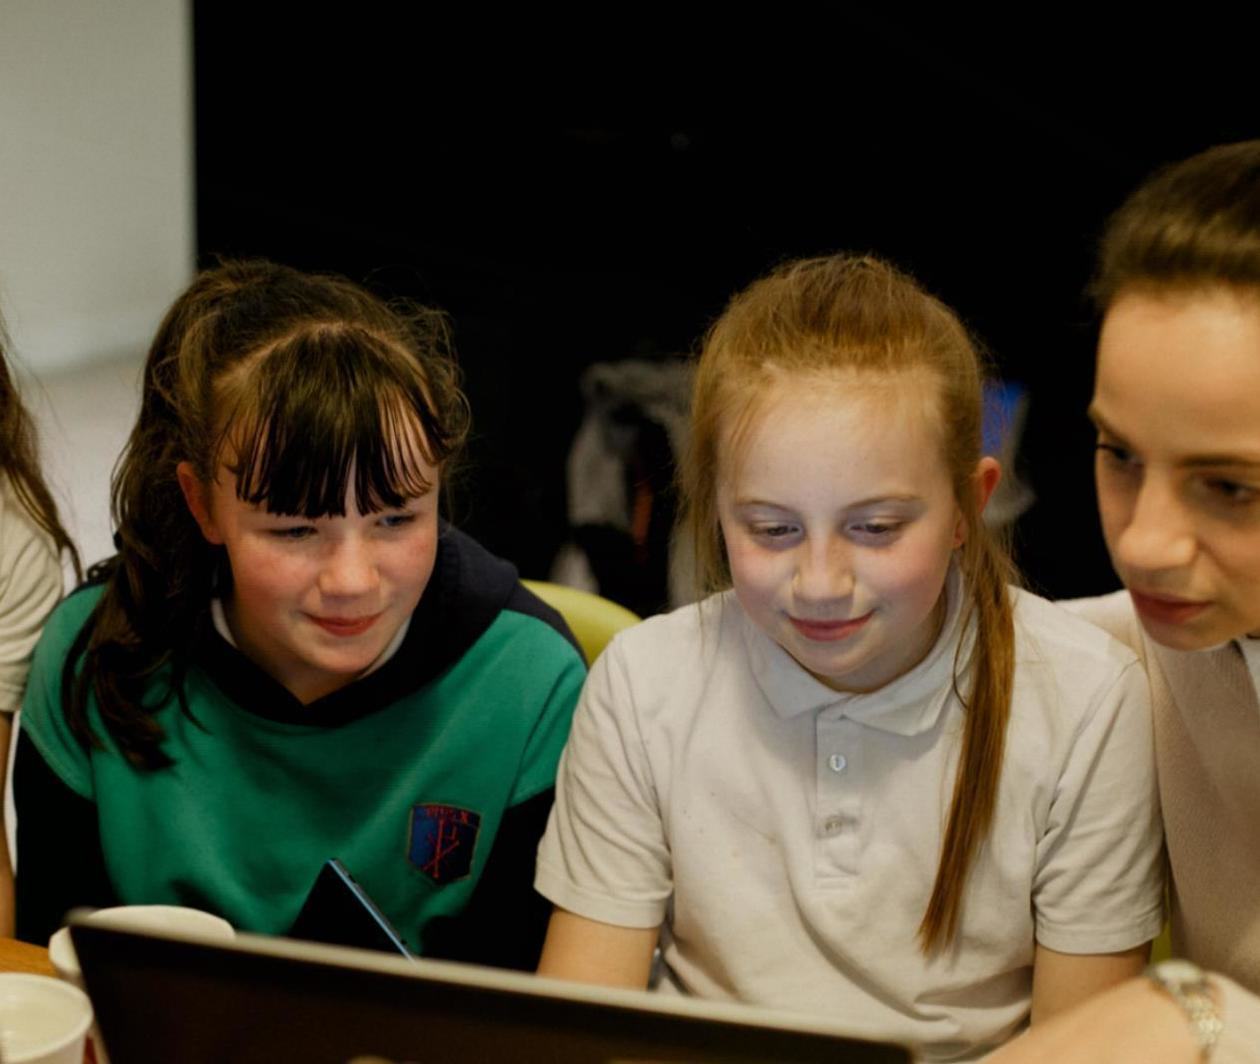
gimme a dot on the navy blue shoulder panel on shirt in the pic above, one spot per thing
(58, 833)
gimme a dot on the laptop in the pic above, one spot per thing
(161, 998)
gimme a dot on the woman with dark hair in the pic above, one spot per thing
(1177, 408)
(292, 657)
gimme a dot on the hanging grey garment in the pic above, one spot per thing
(626, 402)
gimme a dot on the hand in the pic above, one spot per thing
(1134, 1023)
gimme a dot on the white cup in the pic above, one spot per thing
(42, 1020)
(176, 918)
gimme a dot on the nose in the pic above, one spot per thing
(1159, 534)
(348, 569)
(824, 570)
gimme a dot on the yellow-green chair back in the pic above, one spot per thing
(594, 619)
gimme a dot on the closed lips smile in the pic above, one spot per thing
(1166, 608)
(828, 631)
(346, 626)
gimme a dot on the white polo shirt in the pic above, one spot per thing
(30, 586)
(787, 836)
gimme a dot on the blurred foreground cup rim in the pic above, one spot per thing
(180, 919)
(66, 1008)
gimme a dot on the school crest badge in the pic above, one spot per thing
(443, 838)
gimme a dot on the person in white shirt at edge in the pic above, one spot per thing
(1177, 408)
(32, 542)
(765, 778)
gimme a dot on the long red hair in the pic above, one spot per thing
(849, 313)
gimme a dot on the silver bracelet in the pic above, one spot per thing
(1186, 984)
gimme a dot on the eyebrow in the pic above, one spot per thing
(1194, 461)
(860, 504)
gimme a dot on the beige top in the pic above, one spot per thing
(788, 835)
(30, 586)
(1207, 745)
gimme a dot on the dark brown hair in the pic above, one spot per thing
(843, 313)
(19, 462)
(293, 380)
(1194, 224)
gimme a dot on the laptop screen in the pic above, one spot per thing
(163, 999)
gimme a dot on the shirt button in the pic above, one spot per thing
(833, 825)
(837, 762)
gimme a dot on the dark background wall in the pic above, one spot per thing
(572, 195)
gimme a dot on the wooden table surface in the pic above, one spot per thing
(18, 956)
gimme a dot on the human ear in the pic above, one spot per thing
(984, 481)
(196, 496)
(988, 473)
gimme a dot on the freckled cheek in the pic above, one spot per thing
(911, 581)
(755, 571)
(265, 581)
(409, 569)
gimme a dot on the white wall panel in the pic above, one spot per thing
(96, 174)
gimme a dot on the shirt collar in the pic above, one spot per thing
(909, 705)
(1250, 648)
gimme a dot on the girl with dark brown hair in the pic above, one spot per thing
(292, 657)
